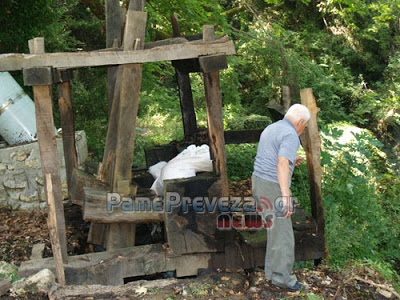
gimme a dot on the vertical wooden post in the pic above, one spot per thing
(67, 123)
(52, 225)
(113, 38)
(48, 147)
(185, 91)
(129, 81)
(215, 118)
(311, 142)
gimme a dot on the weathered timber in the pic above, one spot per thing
(186, 102)
(242, 136)
(278, 109)
(185, 91)
(38, 76)
(81, 179)
(68, 60)
(128, 209)
(213, 63)
(166, 42)
(187, 65)
(68, 129)
(156, 154)
(96, 235)
(109, 291)
(108, 268)
(311, 142)
(62, 76)
(114, 25)
(189, 231)
(113, 22)
(215, 118)
(111, 267)
(52, 225)
(286, 98)
(129, 99)
(123, 235)
(48, 147)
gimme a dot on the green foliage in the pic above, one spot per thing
(9, 271)
(359, 222)
(240, 160)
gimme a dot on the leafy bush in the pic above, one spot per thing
(359, 222)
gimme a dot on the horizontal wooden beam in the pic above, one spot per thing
(38, 76)
(242, 136)
(70, 60)
(213, 63)
(96, 209)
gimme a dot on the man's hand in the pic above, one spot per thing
(286, 207)
(299, 160)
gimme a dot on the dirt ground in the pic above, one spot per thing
(20, 230)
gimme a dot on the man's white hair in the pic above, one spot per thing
(298, 112)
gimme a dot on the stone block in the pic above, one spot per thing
(21, 178)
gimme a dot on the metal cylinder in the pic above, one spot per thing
(17, 112)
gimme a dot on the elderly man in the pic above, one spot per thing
(273, 169)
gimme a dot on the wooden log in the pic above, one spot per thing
(48, 148)
(71, 60)
(81, 179)
(311, 142)
(185, 92)
(99, 207)
(52, 224)
(215, 118)
(68, 130)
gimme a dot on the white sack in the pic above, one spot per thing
(186, 164)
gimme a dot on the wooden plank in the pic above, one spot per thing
(189, 231)
(48, 148)
(113, 22)
(68, 129)
(215, 118)
(70, 60)
(242, 136)
(123, 235)
(52, 225)
(213, 63)
(311, 142)
(109, 268)
(185, 92)
(38, 76)
(81, 179)
(96, 209)
(129, 100)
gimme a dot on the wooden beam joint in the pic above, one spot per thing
(213, 63)
(38, 76)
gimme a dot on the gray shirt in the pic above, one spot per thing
(278, 139)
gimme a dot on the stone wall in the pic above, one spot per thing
(21, 179)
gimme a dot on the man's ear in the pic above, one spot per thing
(300, 123)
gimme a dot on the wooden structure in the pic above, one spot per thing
(193, 239)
